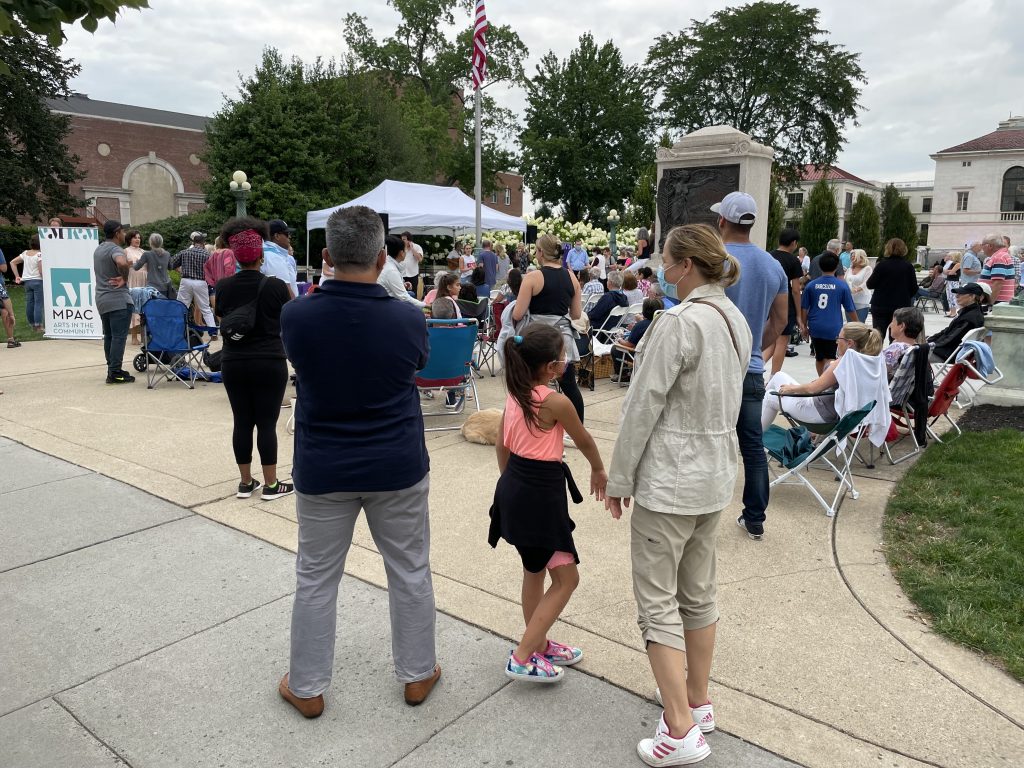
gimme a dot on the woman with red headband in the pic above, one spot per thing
(253, 366)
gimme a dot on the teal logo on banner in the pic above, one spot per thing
(71, 293)
(69, 233)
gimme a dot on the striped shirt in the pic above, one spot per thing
(999, 266)
(190, 262)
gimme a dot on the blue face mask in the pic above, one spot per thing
(667, 288)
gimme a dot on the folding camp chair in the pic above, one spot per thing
(796, 455)
(935, 302)
(904, 426)
(941, 369)
(945, 395)
(173, 349)
(450, 366)
(487, 341)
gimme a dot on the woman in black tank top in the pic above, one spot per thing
(553, 291)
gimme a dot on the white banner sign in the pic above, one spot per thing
(69, 296)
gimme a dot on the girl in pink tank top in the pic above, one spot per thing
(530, 509)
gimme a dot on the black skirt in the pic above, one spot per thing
(530, 508)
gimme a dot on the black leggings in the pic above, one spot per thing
(571, 389)
(880, 319)
(255, 390)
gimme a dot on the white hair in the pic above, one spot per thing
(997, 240)
(834, 245)
(615, 279)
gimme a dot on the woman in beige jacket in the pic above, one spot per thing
(677, 456)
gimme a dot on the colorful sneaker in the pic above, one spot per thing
(245, 490)
(536, 670)
(664, 750)
(277, 490)
(565, 655)
(703, 716)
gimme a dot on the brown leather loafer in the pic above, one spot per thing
(416, 693)
(310, 708)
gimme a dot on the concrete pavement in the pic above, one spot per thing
(820, 657)
(150, 636)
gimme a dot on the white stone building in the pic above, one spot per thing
(920, 197)
(979, 188)
(845, 188)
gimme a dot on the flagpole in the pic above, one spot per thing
(479, 174)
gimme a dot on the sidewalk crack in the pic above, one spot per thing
(92, 733)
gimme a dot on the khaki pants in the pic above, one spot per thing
(674, 581)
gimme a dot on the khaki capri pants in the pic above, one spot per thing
(674, 581)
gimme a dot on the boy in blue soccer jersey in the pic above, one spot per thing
(821, 310)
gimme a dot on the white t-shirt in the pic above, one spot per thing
(601, 266)
(806, 264)
(410, 266)
(30, 266)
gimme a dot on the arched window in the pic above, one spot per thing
(1013, 190)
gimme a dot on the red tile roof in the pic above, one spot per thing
(815, 173)
(1005, 139)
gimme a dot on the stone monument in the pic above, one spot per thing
(702, 168)
(1007, 325)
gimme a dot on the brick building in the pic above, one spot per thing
(507, 196)
(140, 164)
(144, 164)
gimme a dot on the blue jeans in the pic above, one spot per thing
(115, 334)
(34, 302)
(755, 464)
(862, 313)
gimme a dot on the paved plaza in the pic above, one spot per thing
(145, 612)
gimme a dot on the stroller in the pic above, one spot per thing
(172, 347)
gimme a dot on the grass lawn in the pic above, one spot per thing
(954, 534)
(22, 331)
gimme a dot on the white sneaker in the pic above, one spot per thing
(664, 750)
(703, 716)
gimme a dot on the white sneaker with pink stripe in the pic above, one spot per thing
(703, 716)
(664, 750)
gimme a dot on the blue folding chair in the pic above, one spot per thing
(450, 367)
(170, 351)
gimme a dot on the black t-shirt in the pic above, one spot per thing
(557, 295)
(791, 266)
(264, 341)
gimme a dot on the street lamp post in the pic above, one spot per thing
(613, 221)
(240, 188)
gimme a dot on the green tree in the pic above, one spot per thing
(902, 224)
(176, 229)
(35, 165)
(422, 55)
(310, 136)
(820, 220)
(587, 128)
(19, 18)
(865, 226)
(890, 196)
(768, 70)
(776, 213)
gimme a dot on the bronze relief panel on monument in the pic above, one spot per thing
(685, 195)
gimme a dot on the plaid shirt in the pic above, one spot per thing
(191, 262)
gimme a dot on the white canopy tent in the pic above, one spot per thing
(423, 209)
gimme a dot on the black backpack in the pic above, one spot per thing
(239, 322)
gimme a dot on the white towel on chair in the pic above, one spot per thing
(862, 378)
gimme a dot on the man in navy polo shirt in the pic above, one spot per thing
(359, 445)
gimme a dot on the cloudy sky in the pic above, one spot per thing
(939, 71)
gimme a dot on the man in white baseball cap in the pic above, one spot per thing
(737, 208)
(762, 295)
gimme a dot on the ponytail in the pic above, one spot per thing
(525, 357)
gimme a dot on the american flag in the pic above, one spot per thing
(479, 60)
